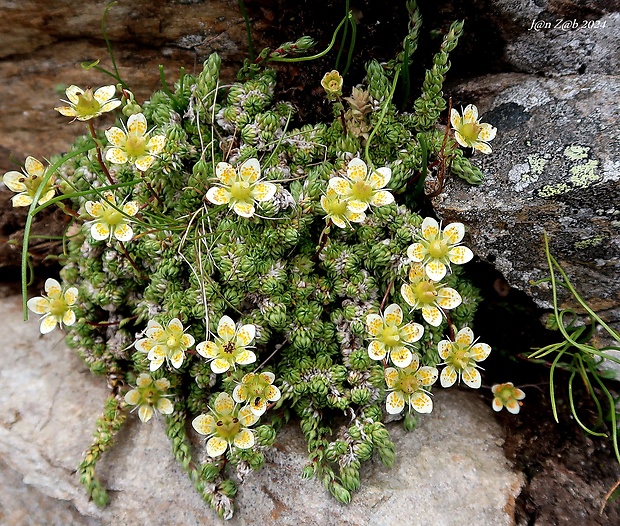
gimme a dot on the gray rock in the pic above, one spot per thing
(450, 471)
(558, 37)
(555, 168)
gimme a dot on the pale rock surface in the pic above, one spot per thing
(451, 471)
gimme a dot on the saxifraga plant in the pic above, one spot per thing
(226, 269)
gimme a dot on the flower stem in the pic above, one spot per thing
(131, 260)
(322, 241)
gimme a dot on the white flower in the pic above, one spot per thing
(109, 220)
(461, 357)
(56, 307)
(86, 105)
(436, 249)
(28, 183)
(469, 132)
(240, 189)
(135, 146)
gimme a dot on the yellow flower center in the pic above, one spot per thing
(136, 145)
(111, 216)
(409, 384)
(337, 207)
(362, 191)
(390, 336)
(150, 395)
(470, 131)
(87, 104)
(240, 190)
(426, 292)
(58, 306)
(438, 249)
(228, 427)
(460, 357)
(173, 341)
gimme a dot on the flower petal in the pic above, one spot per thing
(391, 377)
(374, 323)
(207, 349)
(144, 163)
(244, 209)
(480, 351)
(136, 124)
(104, 93)
(421, 402)
(66, 111)
(444, 348)
(247, 417)
(204, 424)
(34, 167)
(216, 446)
(38, 305)
(416, 252)
(401, 357)
(177, 358)
(131, 208)
(123, 232)
(156, 144)
(393, 314)
(165, 406)
(357, 170)
(225, 173)
(462, 140)
(471, 377)
(465, 336)
(245, 357)
(72, 93)
(427, 375)
(448, 298)
(380, 177)
(432, 315)
(470, 114)
(224, 404)
(245, 335)
(94, 209)
(341, 186)
(240, 393)
(226, 328)
(460, 255)
(430, 229)
(411, 332)
(218, 195)
(407, 293)
(487, 132)
(48, 323)
(273, 394)
(435, 270)
(132, 397)
(263, 191)
(395, 402)
(69, 318)
(108, 106)
(250, 170)
(454, 233)
(448, 376)
(497, 404)
(116, 156)
(455, 118)
(258, 406)
(512, 406)
(219, 365)
(482, 147)
(116, 136)
(377, 350)
(13, 180)
(244, 439)
(382, 198)
(145, 413)
(53, 288)
(357, 206)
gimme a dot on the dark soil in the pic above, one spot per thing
(568, 472)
